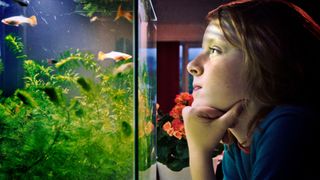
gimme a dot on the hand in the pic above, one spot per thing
(206, 126)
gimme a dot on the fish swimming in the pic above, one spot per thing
(123, 68)
(51, 61)
(17, 20)
(4, 4)
(117, 56)
(22, 2)
(94, 18)
(121, 13)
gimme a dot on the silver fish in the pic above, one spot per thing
(117, 56)
(123, 68)
(22, 2)
(17, 20)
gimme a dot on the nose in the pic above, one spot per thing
(195, 67)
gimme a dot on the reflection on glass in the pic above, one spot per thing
(66, 89)
(146, 90)
(187, 52)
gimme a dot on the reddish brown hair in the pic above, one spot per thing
(280, 42)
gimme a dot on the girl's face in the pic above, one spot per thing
(218, 80)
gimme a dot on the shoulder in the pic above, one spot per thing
(284, 141)
(288, 111)
(286, 118)
(286, 125)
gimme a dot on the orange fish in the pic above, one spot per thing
(94, 18)
(17, 20)
(121, 13)
(117, 56)
(123, 68)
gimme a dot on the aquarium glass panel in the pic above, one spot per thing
(146, 90)
(67, 89)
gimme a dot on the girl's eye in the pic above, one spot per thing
(214, 51)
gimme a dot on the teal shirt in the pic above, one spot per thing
(283, 147)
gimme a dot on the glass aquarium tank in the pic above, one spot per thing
(77, 89)
(146, 91)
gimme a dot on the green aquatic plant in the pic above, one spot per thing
(15, 45)
(63, 125)
(103, 7)
(84, 84)
(26, 98)
(1, 66)
(72, 59)
(53, 95)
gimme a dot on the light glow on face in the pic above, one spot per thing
(218, 82)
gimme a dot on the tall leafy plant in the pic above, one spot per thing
(49, 131)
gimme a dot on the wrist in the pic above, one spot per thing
(200, 153)
(196, 149)
(201, 165)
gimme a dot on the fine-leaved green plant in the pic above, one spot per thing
(1, 66)
(103, 7)
(66, 124)
(15, 45)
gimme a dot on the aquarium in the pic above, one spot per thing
(146, 91)
(77, 89)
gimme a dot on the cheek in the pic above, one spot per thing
(226, 85)
(234, 79)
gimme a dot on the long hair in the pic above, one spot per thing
(281, 49)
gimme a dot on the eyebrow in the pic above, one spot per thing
(213, 35)
(212, 38)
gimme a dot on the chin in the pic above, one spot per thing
(219, 105)
(202, 102)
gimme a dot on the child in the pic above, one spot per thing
(255, 88)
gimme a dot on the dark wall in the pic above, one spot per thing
(167, 74)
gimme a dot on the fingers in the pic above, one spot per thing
(230, 118)
(227, 137)
(186, 112)
(203, 112)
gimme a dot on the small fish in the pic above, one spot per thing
(117, 56)
(4, 4)
(123, 68)
(94, 18)
(17, 20)
(121, 13)
(51, 61)
(22, 2)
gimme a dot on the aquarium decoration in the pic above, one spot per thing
(65, 125)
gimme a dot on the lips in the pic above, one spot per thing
(196, 88)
